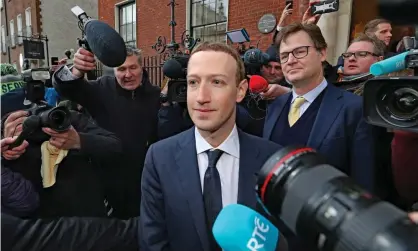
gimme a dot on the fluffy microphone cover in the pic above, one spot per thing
(258, 84)
(105, 43)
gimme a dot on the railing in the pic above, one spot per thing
(153, 65)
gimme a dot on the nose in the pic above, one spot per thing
(291, 59)
(128, 74)
(352, 58)
(203, 94)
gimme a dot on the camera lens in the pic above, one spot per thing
(326, 209)
(181, 90)
(403, 103)
(398, 106)
(57, 117)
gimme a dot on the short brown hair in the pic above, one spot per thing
(313, 31)
(220, 47)
(371, 26)
(378, 46)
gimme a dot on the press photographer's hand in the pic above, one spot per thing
(12, 154)
(273, 91)
(84, 61)
(64, 140)
(13, 124)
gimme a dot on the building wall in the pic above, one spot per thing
(14, 8)
(61, 25)
(153, 18)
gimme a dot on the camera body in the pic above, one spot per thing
(35, 83)
(392, 102)
(175, 68)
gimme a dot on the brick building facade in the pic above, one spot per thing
(25, 22)
(51, 18)
(153, 18)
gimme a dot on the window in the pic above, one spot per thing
(28, 22)
(127, 23)
(1, 4)
(19, 29)
(12, 33)
(208, 19)
(3, 39)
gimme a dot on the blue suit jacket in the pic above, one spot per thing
(172, 209)
(339, 133)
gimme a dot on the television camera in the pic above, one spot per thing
(392, 102)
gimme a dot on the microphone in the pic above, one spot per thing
(258, 84)
(238, 227)
(30, 125)
(103, 41)
(173, 69)
(389, 65)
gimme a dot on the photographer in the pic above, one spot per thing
(62, 166)
(126, 104)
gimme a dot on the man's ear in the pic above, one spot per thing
(242, 90)
(323, 53)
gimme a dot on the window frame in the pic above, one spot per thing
(192, 27)
(122, 26)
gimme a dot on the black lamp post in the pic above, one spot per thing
(173, 48)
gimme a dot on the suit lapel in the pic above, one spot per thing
(328, 111)
(248, 166)
(188, 174)
(273, 114)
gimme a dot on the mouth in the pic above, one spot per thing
(352, 67)
(204, 110)
(292, 70)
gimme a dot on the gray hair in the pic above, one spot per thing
(132, 50)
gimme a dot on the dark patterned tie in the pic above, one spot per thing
(212, 194)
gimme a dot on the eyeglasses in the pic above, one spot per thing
(358, 54)
(299, 52)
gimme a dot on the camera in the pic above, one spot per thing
(326, 209)
(175, 68)
(392, 102)
(35, 83)
(254, 59)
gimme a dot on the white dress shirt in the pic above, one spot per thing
(310, 96)
(227, 165)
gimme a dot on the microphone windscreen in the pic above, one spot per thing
(238, 227)
(173, 69)
(258, 84)
(105, 43)
(389, 65)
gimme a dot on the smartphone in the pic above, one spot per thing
(289, 2)
(54, 60)
(325, 7)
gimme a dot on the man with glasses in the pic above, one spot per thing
(360, 55)
(317, 114)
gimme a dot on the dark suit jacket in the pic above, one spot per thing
(69, 234)
(339, 133)
(172, 209)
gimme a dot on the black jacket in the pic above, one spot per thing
(132, 116)
(69, 234)
(78, 190)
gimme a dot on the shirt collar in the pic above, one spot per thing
(312, 94)
(229, 146)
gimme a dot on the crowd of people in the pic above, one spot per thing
(135, 172)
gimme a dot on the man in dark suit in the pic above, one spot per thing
(188, 178)
(316, 113)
